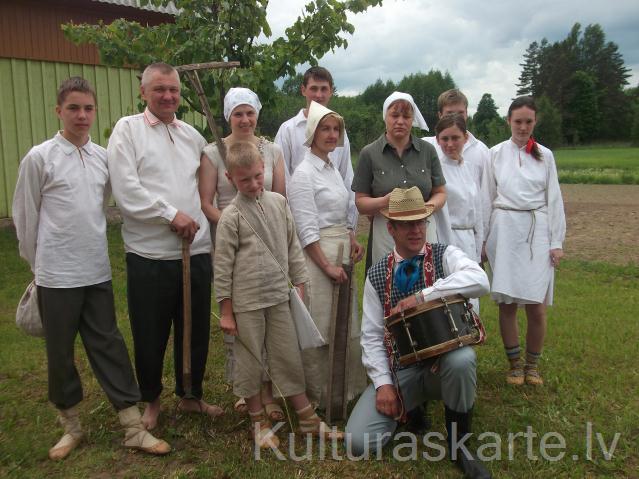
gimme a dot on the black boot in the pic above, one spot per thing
(462, 457)
(418, 422)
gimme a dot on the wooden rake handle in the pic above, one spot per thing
(187, 382)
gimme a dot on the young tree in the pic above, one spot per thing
(210, 30)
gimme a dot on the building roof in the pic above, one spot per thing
(169, 9)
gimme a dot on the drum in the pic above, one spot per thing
(434, 328)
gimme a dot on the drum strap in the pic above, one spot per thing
(389, 341)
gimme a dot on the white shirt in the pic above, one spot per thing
(291, 136)
(319, 198)
(153, 170)
(462, 276)
(58, 211)
(516, 180)
(475, 152)
(464, 206)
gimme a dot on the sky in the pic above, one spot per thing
(479, 42)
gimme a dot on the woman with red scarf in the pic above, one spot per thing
(524, 227)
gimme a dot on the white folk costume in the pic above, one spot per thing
(321, 204)
(323, 208)
(464, 206)
(475, 153)
(523, 220)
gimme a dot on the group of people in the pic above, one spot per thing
(261, 216)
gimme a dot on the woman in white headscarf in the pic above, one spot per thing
(399, 159)
(241, 111)
(322, 207)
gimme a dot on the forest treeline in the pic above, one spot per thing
(580, 83)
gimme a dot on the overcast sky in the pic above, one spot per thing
(480, 42)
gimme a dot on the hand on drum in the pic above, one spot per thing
(406, 303)
(387, 401)
(555, 256)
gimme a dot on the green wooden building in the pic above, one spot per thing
(35, 57)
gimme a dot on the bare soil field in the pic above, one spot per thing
(603, 223)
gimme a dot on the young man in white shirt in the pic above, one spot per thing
(413, 273)
(58, 211)
(153, 160)
(317, 86)
(475, 151)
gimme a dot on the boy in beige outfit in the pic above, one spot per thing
(252, 289)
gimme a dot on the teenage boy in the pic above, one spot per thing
(475, 151)
(58, 211)
(317, 86)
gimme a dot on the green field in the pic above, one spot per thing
(598, 165)
(589, 365)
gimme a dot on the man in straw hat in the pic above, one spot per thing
(413, 273)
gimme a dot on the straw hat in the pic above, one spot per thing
(407, 205)
(316, 114)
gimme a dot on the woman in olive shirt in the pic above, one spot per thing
(399, 159)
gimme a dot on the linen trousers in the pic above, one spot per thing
(454, 382)
(155, 303)
(88, 310)
(272, 329)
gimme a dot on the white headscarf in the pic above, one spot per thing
(418, 119)
(240, 96)
(316, 113)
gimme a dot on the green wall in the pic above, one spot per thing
(27, 109)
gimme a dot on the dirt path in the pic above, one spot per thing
(603, 223)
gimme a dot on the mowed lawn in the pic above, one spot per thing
(588, 407)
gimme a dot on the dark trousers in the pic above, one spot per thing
(155, 303)
(87, 310)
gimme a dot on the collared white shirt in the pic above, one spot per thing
(153, 169)
(319, 198)
(291, 136)
(475, 152)
(461, 276)
(58, 211)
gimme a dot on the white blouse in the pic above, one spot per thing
(319, 197)
(225, 191)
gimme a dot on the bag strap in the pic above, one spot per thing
(290, 284)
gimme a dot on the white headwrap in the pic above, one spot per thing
(316, 113)
(240, 96)
(418, 119)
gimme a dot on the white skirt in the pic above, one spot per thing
(520, 257)
(320, 306)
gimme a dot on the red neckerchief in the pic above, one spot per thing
(389, 343)
(530, 145)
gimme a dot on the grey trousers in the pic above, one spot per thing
(87, 310)
(455, 383)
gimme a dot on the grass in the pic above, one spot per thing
(589, 365)
(598, 165)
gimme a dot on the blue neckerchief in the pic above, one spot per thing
(407, 274)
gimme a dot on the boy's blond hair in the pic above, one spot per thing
(451, 97)
(242, 154)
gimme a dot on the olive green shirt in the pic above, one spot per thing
(380, 169)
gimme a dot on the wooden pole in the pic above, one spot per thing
(187, 379)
